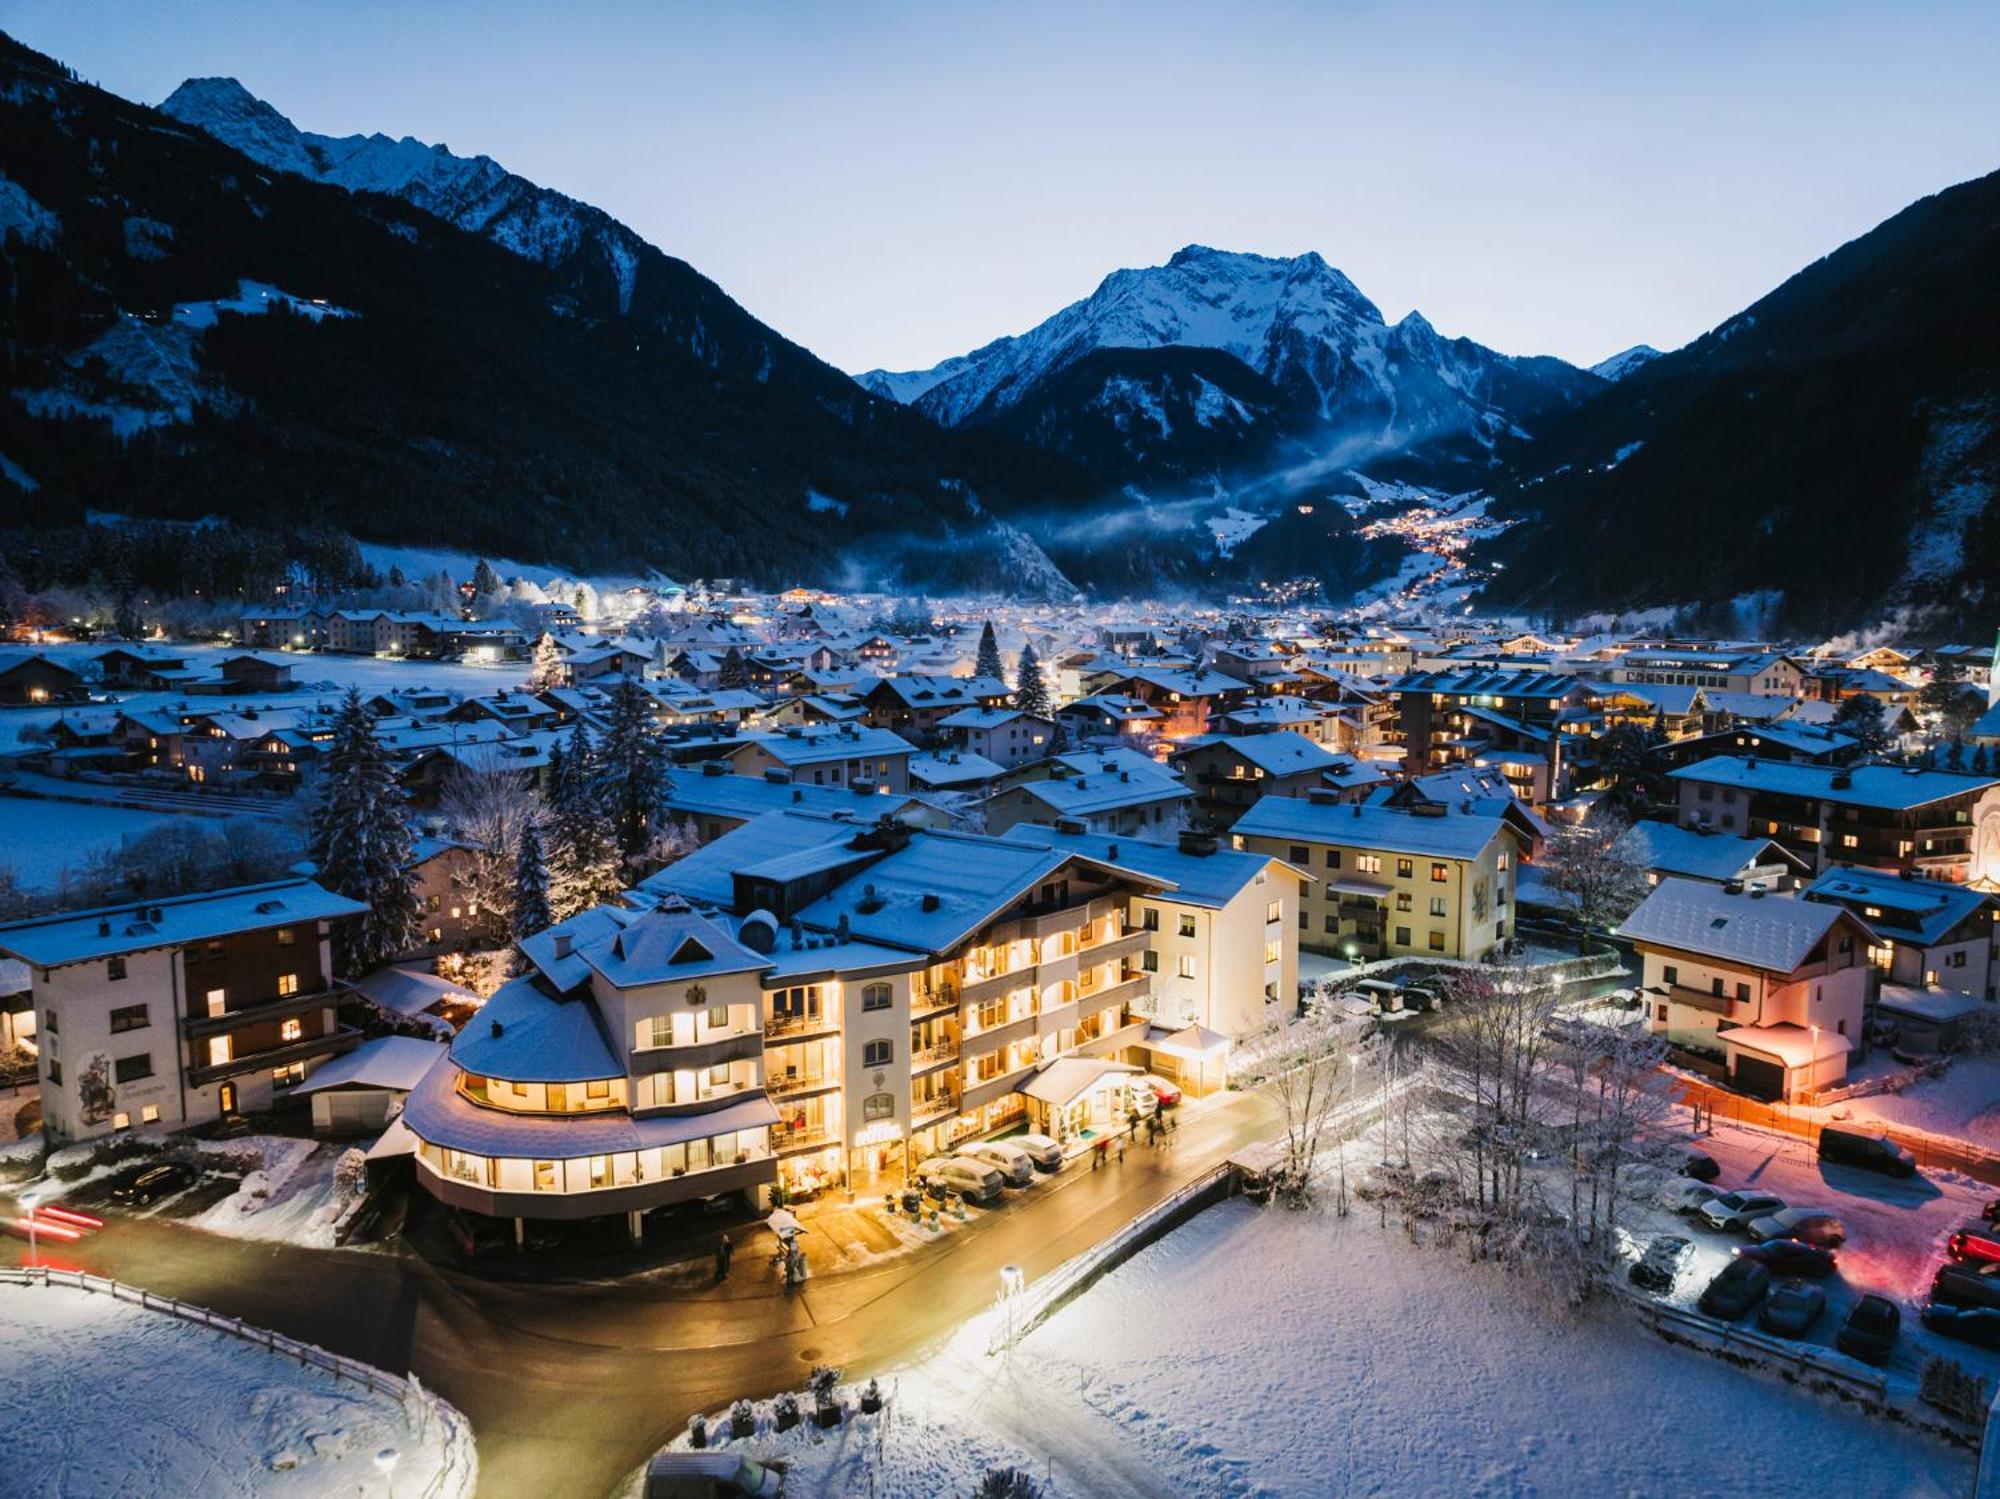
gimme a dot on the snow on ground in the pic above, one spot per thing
(45, 844)
(1233, 527)
(1965, 1102)
(1261, 1352)
(111, 1398)
(288, 1199)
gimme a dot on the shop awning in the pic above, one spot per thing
(1194, 1043)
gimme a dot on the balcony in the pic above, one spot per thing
(928, 1111)
(1114, 1040)
(342, 1039)
(797, 1027)
(1116, 949)
(1700, 999)
(941, 1002)
(974, 990)
(978, 1043)
(1128, 990)
(800, 1087)
(985, 1091)
(797, 1141)
(931, 1057)
(283, 1008)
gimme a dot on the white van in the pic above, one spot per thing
(1013, 1163)
(975, 1181)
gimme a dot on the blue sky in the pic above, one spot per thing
(895, 183)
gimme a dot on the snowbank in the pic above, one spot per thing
(115, 1398)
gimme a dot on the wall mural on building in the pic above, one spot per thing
(95, 1099)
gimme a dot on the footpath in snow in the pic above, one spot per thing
(106, 1397)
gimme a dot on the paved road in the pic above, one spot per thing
(570, 1387)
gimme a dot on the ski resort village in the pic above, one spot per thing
(868, 792)
(874, 1045)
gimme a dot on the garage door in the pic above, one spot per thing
(353, 1113)
(1759, 1078)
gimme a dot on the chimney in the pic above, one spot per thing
(1323, 796)
(1198, 845)
(714, 768)
(1757, 892)
(1732, 887)
(496, 1030)
(1110, 850)
(563, 944)
(777, 775)
(931, 901)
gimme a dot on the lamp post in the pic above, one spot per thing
(1812, 1080)
(1012, 1280)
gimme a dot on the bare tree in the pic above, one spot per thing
(1309, 1079)
(1596, 872)
(488, 810)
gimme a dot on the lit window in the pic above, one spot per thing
(150, 1114)
(291, 1030)
(121, 1121)
(1187, 965)
(288, 983)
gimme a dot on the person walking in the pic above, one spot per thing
(724, 1253)
(1097, 1152)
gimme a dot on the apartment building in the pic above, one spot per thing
(183, 1011)
(1117, 791)
(1514, 720)
(1934, 823)
(838, 755)
(1779, 991)
(1766, 673)
(1232, 772)
(1420, 878)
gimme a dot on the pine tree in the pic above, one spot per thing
(632, 769)
(582, 854)
(1031, 691)
(733, 673)
(531, 887)
(360, 839)
(546, 669)
(1864, 718)
(485, 582)
(988, 663)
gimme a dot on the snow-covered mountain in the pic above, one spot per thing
(1625, 361)
(1306, 363)
(474, 192)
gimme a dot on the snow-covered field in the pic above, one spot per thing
(43, 842)
(1964, 1102)
(107, 1398)
(1262, 1352)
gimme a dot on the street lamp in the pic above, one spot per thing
(1012, 1279)
(1812, 1080)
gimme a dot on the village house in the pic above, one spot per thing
(841, 755)
(1719, 858)
(1230, 773)
(1927, 934)
(1778, 991)
(182, 1011)
(28, 679)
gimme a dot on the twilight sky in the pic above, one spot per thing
(894, 183)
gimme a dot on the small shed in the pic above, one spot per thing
(359, 1093)
(1194, 1056)
(1928, 1022)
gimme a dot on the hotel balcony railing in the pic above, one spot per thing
(927, 1111)
(941, 1001)
(340, 1040)
(934, 1056)
(281, 1007)
(791, 1141)
(794, 1087)
(822, 1024)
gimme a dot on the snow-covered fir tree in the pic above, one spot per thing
(485, 582)
(531, 887)
(546, 669)
(988, 662)
(584, 867)
(360, 839)
(732, 673)
(632, 769)
(1031, 690)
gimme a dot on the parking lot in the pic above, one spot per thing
(1896, 1228)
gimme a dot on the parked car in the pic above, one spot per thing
(1790, 1257)
(975, 1181)
(156, 1182)
(1812, 1225)
(1660, 1265)
(1991, 1212)
(1978, 1325)
(1014, 1164)
(1686, 1197)
(1869, 1333)
(1141, 1100)
(704, 1475)
(1739, 1287)
(1047, 1154)
(1735, 1209)
(1700, 1166)
(1974, 1242)
(1874, 1152)
(1967, 1285)
(1167, 1093)
(1793, 1310)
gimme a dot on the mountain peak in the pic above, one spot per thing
(227, 110)
(1625, 361)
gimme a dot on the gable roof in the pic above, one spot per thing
(108, 931)
(1769, 932)
(1703, 856)
(1455, 833)
(1880, 787)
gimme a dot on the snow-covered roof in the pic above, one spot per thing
(524, 1034)
(397, 1063)
(1067, 1079)
(1772, 933)
(1453, 833)
(80, 936)
(1280, 753)
(437, 1113)
(1209, 881)
(410, 991)
(1929, 909)
(1101, 780)
(753, 796)
(838, 742)
(1791, 1044)
(1703, 856)
(1940, 1006)
(1890, 787)
(664, 946)
(953, 768)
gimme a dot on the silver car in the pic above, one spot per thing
(1734, 1210)
(1012, 1162)
(975, 1181)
